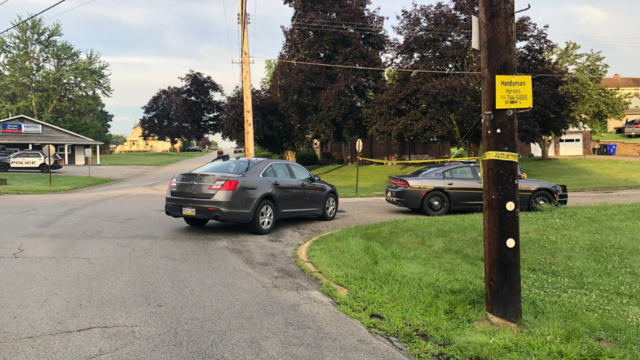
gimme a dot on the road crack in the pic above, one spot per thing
(128, 247)
(73, 332)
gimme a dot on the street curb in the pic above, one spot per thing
(304, 262)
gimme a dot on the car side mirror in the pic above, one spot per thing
(316, 178)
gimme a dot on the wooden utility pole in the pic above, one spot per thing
(246, 83)
(500, 178)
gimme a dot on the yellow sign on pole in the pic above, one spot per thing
(514, 92)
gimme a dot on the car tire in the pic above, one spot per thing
(4, 168)
(264, 219)
(329, 208)
(195, 222)
(44, 168)
(540, 198)
(436, 203)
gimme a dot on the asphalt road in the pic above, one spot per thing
(103, 273)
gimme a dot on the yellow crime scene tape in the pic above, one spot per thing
(498, 155)
(394, 162)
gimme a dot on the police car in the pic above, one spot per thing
(29, 160)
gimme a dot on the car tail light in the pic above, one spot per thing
(637, 126)
(173, 184)
(400, 183)
(224, 185)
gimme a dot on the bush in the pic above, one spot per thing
(306, 158)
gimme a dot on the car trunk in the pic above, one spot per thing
(197, 186)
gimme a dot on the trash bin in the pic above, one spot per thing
(603, 149)
(612, 149)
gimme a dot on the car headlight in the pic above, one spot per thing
(557, 189)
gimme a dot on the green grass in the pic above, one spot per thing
(589, 174)
(621, 137)
(39, 183)
(577, 174)
(152, 159)
(421, 280)
(373, 178)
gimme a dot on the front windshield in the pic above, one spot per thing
(228, 167)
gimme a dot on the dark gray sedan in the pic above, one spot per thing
(437, 189)
(257, 192)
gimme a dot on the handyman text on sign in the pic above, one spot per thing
(514, 92)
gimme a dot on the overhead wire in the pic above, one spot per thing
(3, 2)
(73, 8)
(33, 16)
(226, 22)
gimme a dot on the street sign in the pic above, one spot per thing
(48, 160)
(359, 146)
(514, 92)
(87, 152)
(475, 32)
(48, 150)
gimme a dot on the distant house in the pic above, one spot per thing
(114, 144)
(137, 143)
(629, 86)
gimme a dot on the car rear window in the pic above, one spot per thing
(227, 167)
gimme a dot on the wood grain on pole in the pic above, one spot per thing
(503, 291)
(246, 83)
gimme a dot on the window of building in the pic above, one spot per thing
(636, 92)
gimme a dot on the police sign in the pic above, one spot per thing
(22, 128)
(514, 92)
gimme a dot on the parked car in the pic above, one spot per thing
(238, 150)
(632, 128)
(438, 189)
(214, 148)
(258, 192)
(193, 149)
(29, 160)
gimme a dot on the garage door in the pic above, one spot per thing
(571, 145)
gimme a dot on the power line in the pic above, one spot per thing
(73, 8)
(38, 14)
(3, 2)
(229, 38)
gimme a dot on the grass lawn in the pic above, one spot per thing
(373, 178)
(581, 174)
(153, 159)
(421, 280)
(615, 137)
(39, 183)
(577, 174)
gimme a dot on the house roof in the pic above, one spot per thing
(621, 82)
(51, 134)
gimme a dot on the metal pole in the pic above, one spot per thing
(357, 172)
(503, 293)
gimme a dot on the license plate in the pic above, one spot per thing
(388, 194)
(189, 211)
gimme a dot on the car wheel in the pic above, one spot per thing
(4, 168)
(330, 208)
(435, 204)
(264, 218)
(540, 198)
(196, 222)
(44, 168)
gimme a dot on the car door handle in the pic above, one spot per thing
(303, 184)
(276, 183)
(450, 183)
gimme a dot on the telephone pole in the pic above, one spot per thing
(246, 83)
(503, 293)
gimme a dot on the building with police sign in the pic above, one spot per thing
(21, 133)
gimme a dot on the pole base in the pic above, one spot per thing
(496, 321)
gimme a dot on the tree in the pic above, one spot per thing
(430, 101)
(594, 103)
(269, 68)
(204, 143)
(187, 112)
(326, 102)
(272, 130)
(118, 137)
(46, 78)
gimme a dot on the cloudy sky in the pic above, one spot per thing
(150, 43)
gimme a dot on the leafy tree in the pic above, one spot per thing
(323, 102)
(432, 107)
(594, 103)
(187, 112)
(118, 137)
(46, 78)
(270, 67)
(272, 130)
(204, 143)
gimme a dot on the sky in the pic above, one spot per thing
(151, 43)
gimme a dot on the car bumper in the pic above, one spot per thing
(210, 210)
(405, 198)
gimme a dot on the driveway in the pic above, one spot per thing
(104, 273)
